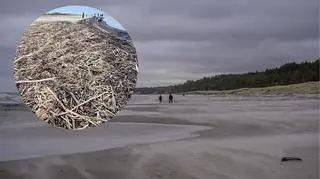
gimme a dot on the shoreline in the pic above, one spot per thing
(244, 138)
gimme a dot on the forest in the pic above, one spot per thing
(289, 73)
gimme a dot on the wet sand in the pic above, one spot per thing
(245, 139)
(39, 141)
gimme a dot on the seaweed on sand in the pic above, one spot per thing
(74, 75)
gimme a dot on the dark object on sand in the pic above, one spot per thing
(286, 159)
(170, 98)
(82, 15)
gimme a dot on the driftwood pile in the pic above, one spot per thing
(74, 75)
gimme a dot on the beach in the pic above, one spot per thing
(62, 17)
(198, 136)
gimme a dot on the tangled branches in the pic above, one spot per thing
(74, 75)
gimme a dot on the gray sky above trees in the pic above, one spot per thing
(186, 39)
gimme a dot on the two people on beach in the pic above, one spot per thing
(170, 98)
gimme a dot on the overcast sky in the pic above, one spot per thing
(187, 39)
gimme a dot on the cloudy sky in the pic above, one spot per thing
(187, 39)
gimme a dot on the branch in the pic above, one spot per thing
(35, 81)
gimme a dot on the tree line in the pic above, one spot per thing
(289, 73)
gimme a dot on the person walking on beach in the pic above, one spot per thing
(160, 99)
(170, 98)
(82, 15)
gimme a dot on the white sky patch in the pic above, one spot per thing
(160, 78)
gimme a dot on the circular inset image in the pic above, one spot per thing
(75, 67)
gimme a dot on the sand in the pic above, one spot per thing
(31, 142)
(245, 138)
(70, 18)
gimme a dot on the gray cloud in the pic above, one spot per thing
(186, 39)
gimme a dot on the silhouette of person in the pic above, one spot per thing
(82, 15)
(170, 98)
(160, 99)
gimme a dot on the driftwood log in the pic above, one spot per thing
(286, 159)
(75, 75)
